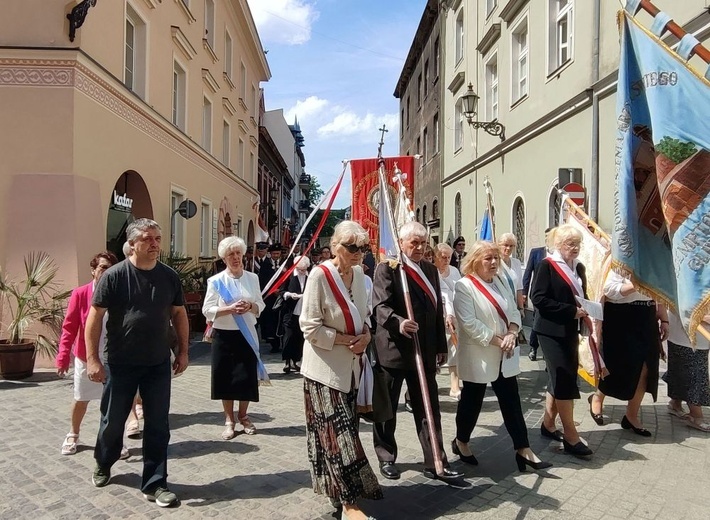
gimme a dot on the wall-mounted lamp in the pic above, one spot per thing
(470, 104)
(274, 194)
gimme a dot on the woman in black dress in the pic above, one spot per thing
(559, 279)
(232, 302)
(633, 329)
(291, 311)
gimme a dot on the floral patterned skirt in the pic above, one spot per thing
(339, 467)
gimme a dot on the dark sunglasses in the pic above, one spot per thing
(354, 248)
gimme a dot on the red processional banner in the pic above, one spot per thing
(366, 190)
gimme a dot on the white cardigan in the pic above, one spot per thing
(249, 286)
(321, 318)
(478, 321)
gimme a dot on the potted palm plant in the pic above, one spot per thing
(36, 302)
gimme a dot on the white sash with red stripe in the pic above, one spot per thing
(416, 273)
(353, 319)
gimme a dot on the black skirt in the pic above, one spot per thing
(234, 372)
(562, 360)
(630, 338)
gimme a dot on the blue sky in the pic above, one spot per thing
(334, 65)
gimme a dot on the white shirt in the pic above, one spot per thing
(447, 284)
(612, 290)
(247, 285)
(677, 334)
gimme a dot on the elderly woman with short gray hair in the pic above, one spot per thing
(448, 276)
(232, 303)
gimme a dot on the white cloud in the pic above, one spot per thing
(309, 108)
(284, 21)
(347, 123)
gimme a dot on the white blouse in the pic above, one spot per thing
(447, 289)
(612, 290)
(247, 285)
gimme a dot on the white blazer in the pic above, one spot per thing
(478, 322)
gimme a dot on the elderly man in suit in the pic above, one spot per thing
(458, 253)
(395, 349)
(537, 255)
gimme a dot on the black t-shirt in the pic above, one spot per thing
(139, 305)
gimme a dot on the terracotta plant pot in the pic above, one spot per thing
(17, 360)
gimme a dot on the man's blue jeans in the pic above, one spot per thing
(122, 382)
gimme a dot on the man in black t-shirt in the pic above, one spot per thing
(142, 297)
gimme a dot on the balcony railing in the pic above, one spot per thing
(304, 181)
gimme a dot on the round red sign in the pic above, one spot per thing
(576, 192)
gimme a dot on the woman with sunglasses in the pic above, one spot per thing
(333, 321)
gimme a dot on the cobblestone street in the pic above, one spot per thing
(266, 475)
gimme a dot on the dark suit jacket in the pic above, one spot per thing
(537, 254)
(393, 349)
(455, 260)
(264, 270)
(554, 301)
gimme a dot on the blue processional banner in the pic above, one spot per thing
(662, 207)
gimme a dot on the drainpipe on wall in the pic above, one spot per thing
(594, 181)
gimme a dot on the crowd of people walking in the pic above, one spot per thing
(355, 336)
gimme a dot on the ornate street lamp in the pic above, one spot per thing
(470, 104)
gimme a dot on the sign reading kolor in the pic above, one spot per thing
(121, 202)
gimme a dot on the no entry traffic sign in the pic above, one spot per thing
(576, 192)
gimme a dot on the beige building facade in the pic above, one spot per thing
(547, 72)
(153, 103)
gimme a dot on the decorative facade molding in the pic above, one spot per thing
(227, 104)
(511, 9)
(458, 80)
(152, 3)
(206, 45)
(228, 81)
(14, 72)
(243, 104)
(182, 42)
(254, 141)
(489, 38)
(209, 80)
(243, 127)
(186, 11)
(253, 122)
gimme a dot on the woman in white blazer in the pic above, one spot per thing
(333, 321)
(488, 323)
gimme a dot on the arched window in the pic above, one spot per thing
(554, 207)
(418, 215)
(435, 209)
(424, 215)
(457, 216)
(519, 227)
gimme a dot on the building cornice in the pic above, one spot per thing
(227, 104)
(209, 80)
(186, 11)
(456, 82)
(421, 37)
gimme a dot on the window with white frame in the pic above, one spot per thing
(243, 82)
(209, 22)
(458, 125)
(490, 6)
(228, 54)
(560, 33)
(206, 124)
(519, 46)
(179, 95)
(459, 34)
(436, 133)
(206, 230)
(255, 101)
(226, 142)
(252, 166)
(134, 69)
(519, 228)
(492, 88)
(176, 198)
(554, 207)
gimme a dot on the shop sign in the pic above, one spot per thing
(122, 202)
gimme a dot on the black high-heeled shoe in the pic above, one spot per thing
(522, 462)
(579, 450)
(626, 425)
(597, 417)
(468, 459)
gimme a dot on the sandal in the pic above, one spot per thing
(698, 423)
(228, 432)
(681, 414)
(124, 454)
(133, 430)
(69, 444)
(249, 427)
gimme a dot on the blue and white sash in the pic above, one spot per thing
(228, 298)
